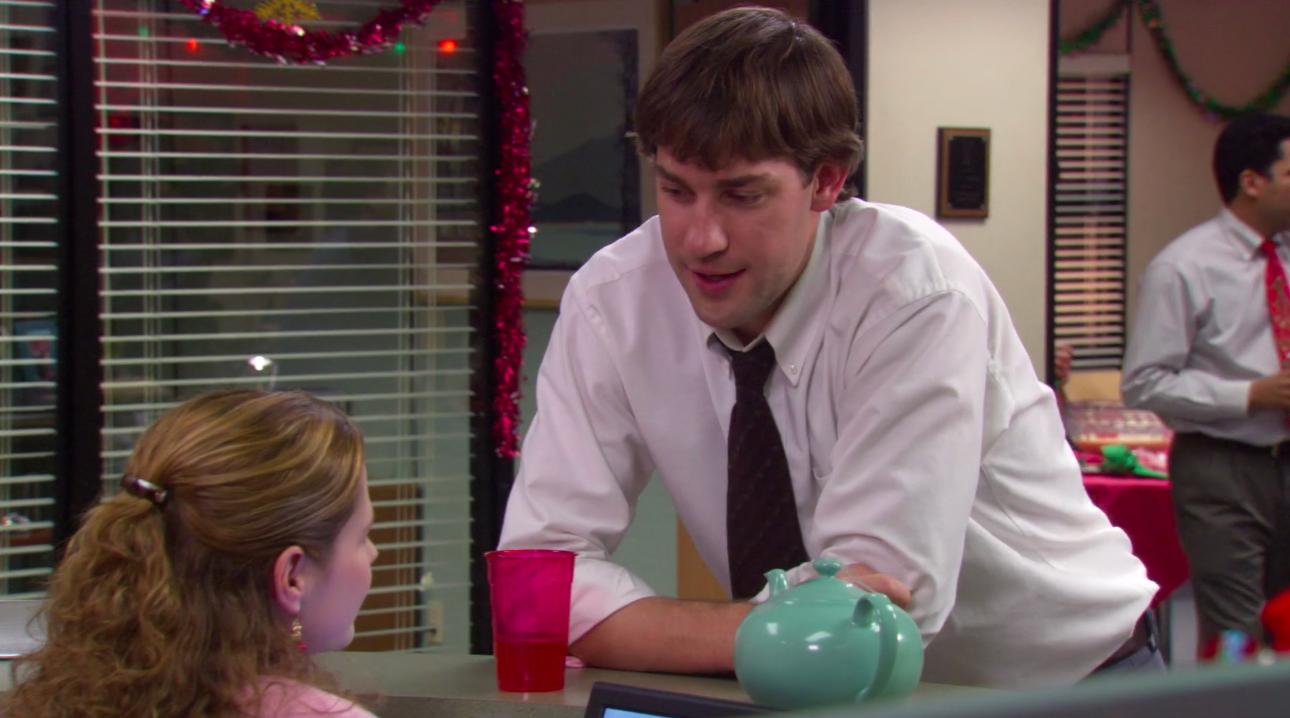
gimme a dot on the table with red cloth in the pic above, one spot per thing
(1142, 509)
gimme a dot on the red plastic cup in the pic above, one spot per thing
(530, 592)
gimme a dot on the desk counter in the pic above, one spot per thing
(444, 686)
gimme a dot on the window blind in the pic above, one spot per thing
(1088, 264)
(302, 227)
(28, 263)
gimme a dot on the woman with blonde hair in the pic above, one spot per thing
(238, 547)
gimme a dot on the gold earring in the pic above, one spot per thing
(298, 633)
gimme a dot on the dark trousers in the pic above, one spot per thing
(1139, 654)
(1230, 502)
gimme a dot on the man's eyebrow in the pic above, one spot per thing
(668, 175)
(745, 180)
(728, 183)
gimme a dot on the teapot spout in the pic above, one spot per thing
(777, 580)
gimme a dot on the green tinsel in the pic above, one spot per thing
(1153, 18)
(1090, 35)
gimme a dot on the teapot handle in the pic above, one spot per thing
(872, 609)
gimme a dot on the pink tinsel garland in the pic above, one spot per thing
(514, 227)
(292, 43)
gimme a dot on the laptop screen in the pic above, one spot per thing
(620, 713)
(612, 700)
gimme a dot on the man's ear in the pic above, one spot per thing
(288, 583)
(830, 178)
(1251, 183)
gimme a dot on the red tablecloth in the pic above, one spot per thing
(1142, 508)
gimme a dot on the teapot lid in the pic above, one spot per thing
(826, 588)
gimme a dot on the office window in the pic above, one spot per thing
(28, 266)
(302, 227)
(1088, 264)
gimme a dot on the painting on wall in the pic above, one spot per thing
(583, 89)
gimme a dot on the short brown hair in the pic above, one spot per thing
(754, 84)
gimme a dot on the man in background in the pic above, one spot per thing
(1209, 353)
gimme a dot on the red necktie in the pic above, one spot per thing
(1278, 303)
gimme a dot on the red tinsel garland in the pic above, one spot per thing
(514, 183)
(293, 43)
(515, 198)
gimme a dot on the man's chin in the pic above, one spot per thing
(718, 314)
(717, 320)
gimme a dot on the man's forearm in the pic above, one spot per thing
(665, 635)
(1189, 394)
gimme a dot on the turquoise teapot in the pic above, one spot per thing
(825, 642)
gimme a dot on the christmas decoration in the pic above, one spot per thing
(1149, 10)
(272, 30)
(1153, 18)
(286, 12)
(1276, 621)
(1090, 36)
(513, 227)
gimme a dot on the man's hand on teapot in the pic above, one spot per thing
(870, 580)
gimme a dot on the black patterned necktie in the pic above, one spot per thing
(762, 530)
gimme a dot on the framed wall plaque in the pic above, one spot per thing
(962, 172)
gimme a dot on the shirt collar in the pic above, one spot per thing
(1248, 239)
(789, 330)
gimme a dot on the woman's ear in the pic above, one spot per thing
(288, 581)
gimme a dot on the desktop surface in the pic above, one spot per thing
(1247, 691)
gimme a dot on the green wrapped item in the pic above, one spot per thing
(1119, 460)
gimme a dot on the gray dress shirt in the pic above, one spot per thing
(1201, 334)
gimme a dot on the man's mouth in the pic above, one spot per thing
(715, 281)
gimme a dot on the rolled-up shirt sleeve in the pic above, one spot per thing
(1156, 374)
(907, 462)
(582, 467)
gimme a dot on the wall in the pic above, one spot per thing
(948, 63)
(1232, 50)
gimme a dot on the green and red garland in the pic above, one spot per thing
(272, 31)
(1154, 19)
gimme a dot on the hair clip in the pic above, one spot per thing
(144, 489)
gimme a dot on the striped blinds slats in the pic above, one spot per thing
(28, 277)
(324, 218)
(1088, 264)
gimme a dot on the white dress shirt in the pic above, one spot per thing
(919, 440)
(1201, 335)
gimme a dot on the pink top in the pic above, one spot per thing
(287, 699)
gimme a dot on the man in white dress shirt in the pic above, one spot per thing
(921, 447)
(1204, 355)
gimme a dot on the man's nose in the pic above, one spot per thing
(705, 236)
